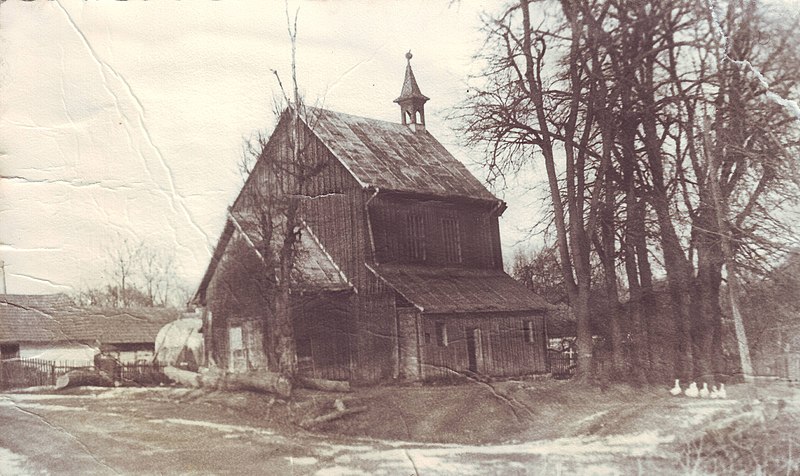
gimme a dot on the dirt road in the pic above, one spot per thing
(155, 431)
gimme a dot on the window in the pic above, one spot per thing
(237, 352)
(235, 338)
(441, 334)
(416, 237)
(452, 240)
(9, 351)
(527, 326)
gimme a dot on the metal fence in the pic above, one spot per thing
(23, 373)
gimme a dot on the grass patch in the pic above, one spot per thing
(763, 439)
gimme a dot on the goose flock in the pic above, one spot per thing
(693, 392)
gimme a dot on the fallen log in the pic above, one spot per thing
(212, 378)
(324, 385)
(83, 378)
(268, 382)
(334, 415)
(183, 377)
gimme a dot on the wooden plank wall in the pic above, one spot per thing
(375, 356)
(478, 231)
(504, 349)
(323, 332)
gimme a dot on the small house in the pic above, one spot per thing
(50, 327)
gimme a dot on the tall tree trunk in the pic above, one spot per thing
(572, 246)
(679, 273)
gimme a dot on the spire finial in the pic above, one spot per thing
(409, 56)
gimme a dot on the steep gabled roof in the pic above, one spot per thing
(391, 156)
(458, 290)
(54, 318)
(314, 268)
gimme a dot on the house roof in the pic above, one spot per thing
(54, 318)
(391, 156)
(451, 290)
(314, 268)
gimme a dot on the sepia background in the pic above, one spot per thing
(124, 121)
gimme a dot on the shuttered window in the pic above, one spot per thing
(529, 331)
(441, 334)
(416, 238)
(452, 240)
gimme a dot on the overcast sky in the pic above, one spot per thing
(126, 119)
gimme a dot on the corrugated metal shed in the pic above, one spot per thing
(391, 156)
(54, 318)
(459, 290)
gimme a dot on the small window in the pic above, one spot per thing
(441, 334)
(452, 240)
(235, 338)
(9, 351)
(416, 238)
(527, 327)
(427, 337)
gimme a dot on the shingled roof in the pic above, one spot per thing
(54, 318)
(391, 156)
(450, 290)
(314, 268)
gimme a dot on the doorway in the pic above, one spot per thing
(473, 349)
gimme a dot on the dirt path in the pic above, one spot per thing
(179, 431)
(118, 434)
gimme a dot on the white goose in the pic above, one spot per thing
(722, 393)
(704, 391)
(714, 392)
(692, 391)
(676, 390)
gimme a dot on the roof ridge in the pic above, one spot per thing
(370, 119)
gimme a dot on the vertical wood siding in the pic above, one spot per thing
(323, 331)
(477, 232)
(503, 348)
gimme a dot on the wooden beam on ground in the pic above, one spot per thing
(334, 415)
(183, 377)
(324, 385)
(83, 378)
(261, 381)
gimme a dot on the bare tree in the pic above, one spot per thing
(141, 275)
(157, 270)
(612, 96)
(268, 220)
(124, 263)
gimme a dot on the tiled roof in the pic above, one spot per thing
(54, 318)
(391, 156)
(455, 290)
